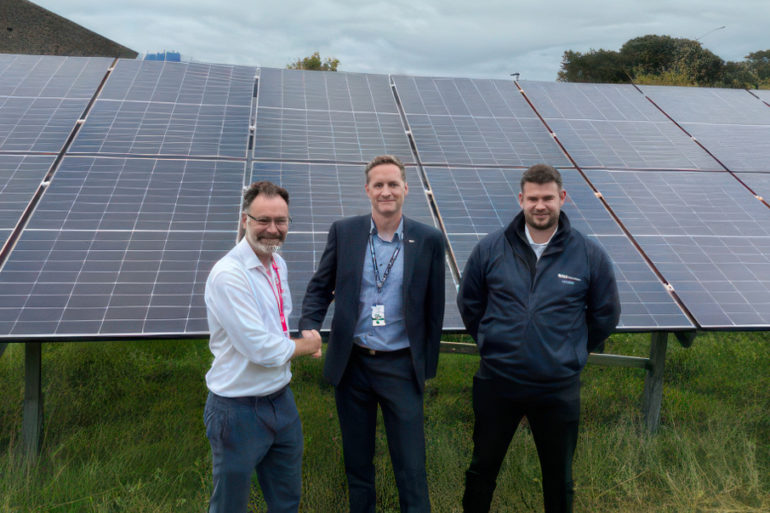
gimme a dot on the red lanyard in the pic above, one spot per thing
(278, 296)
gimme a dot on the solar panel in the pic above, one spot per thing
(121, 247)
(291, 134)
(738, 147)
(173, 129)
(709, 105)
(314, 90)
(759, 183)
(171, 109)
(37, 124)
(343, 117)
(473, 202)
(604, 125)
(48, 76)
(605, 102)
(322, 194)
(763, 94)
(730, 123)
(20, 177)
(175, 82)
(475, 122)
(705, 233)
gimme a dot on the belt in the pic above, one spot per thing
(376, 352)
(251, 400)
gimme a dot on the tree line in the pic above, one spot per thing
(665, 60)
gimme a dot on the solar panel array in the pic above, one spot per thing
(732, 124)
(474, 122)
(145, 198)
(613, 126)
(327, 117)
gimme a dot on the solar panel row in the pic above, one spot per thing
(120, 244)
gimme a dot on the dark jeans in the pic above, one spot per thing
(248, 433)
(388, 381)
(553, 418)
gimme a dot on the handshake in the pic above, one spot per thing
(309, 343)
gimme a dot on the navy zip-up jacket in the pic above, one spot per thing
(535, 321)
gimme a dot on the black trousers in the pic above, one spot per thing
(386, 380)
(553, 418)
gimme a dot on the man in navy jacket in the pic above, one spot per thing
(385, 273)
(536, 296)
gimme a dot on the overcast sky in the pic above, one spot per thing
(482, 38)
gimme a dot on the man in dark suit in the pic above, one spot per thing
(385, 273)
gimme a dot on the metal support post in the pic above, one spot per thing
(653, 382)
(32, 423)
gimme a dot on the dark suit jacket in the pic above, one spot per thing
(338, 277)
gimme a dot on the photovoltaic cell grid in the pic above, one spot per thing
(47, 76)
(473, 202)
(172, 82)
(709, 105)
(343, 117)
(608, 125)
(322, 194)
(474, 122)
(764, 95)
(731, 124)
(171, 109)
(707, 236)
(759, 183)
(20, 177)
(40, 125)
(314, 90)
(121, 247)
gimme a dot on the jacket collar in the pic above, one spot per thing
(514, 232)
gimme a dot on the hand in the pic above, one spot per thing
(314, 337)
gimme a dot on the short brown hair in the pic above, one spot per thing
(541, 174)
(266, 188)
(385, 159)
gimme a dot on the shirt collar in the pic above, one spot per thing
(529, 237)
(399, 235)
(249, 258)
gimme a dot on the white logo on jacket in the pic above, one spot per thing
(567, 279)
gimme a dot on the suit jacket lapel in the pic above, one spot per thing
(360, 237)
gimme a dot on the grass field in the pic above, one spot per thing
(124, 433)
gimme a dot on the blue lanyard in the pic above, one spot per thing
(378, 282)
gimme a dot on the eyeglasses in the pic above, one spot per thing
(264, 222)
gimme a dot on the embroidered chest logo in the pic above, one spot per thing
(567, 279)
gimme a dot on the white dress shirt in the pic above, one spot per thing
(252, 353)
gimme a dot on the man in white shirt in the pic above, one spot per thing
(251, 418)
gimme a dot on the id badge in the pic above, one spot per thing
(378, 315)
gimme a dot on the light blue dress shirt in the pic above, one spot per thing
(392, 336)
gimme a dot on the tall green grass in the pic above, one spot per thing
(124, 433)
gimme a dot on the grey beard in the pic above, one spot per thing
(267, 248)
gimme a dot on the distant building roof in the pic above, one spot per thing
(27, 28)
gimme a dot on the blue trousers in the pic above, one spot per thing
(255, 433)
(388, 381)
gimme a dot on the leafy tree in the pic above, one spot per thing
(592, 66)
(315, 63)
(652, 59)
(759, 64)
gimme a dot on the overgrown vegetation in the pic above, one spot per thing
(124, 433)
(665, 60)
